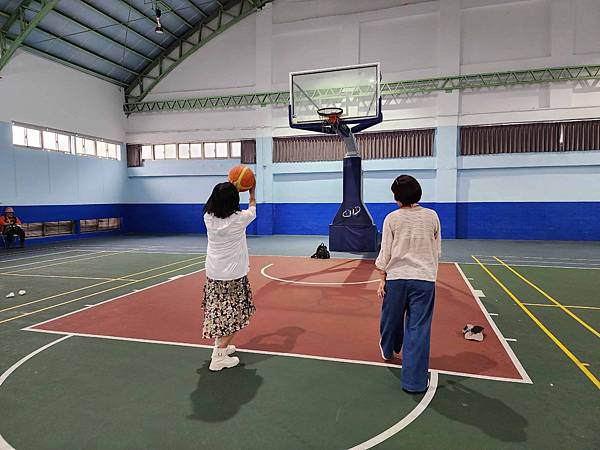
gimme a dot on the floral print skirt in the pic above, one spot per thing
(227, 306)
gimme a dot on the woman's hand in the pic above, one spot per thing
(381, 290)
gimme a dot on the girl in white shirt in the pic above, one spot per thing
(227, 302)
(408, 262)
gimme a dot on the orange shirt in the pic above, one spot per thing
(4, 220)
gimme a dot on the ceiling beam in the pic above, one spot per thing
(194, 39)
(177, 15)
(100, 34)
(54, 36)
(196, 8)
(25, 28)
(123, 24)
(391, 92)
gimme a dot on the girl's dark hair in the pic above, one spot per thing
(406, 190)
(224, 201)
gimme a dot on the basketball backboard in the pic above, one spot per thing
(355, 89)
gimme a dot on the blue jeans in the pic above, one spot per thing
(406, 325)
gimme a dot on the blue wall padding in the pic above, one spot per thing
(529, 220)
(489, 220)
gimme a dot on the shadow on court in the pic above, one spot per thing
(220, 395)
(490, 415)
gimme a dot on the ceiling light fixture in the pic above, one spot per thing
(159, 28)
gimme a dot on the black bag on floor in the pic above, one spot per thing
(322, 252)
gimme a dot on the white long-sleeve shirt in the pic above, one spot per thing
(411, 244)
(227, 252)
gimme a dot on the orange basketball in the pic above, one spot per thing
(242, 178)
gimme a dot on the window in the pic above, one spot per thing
(171, 151)
(19, 135)
(34, 138)
(49, 140)
(159, 152)
(90, 147)
(184, 151)
(196, 150)
(236, 149)
(101, 149)
(147, 152)
(63, 141)
(113, 151)
(210, 150)
(192, 150)
(222, 149)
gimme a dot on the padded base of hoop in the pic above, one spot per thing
(353, 238)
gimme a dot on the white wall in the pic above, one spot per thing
(40, 92)
(411, 40)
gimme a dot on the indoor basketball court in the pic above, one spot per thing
(119, 117)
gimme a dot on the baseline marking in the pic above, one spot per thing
(311, 283)
(406, 421)
(258, 352)
(543, 327)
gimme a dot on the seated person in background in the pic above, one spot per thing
(10, 227)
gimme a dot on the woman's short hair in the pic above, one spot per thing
(407, 190)
(224, 201)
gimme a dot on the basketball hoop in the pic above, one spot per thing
(330, 115)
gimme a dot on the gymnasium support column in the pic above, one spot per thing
(446, 139)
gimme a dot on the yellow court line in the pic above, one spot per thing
(62, 258)
(69, 277)
(566, 306)
(548, 333)
(104, 254)
(98, 284)
(552, 299)
(98, 293)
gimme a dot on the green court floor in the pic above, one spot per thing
(96, 393)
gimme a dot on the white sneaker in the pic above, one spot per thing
(231, 349)
(221, 359)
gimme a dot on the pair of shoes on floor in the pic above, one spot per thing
(222, 359)
(473, 332)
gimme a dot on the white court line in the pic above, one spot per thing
(494, 314)
(479, 293)
(535, 265)
(407, 420)
(264, 274)
(69, 258)
(542, 257)
(511, 339)
(293, 355)
(509, 351)
(264, 352)
(40, 254)
(3, 444)
(29, 328)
